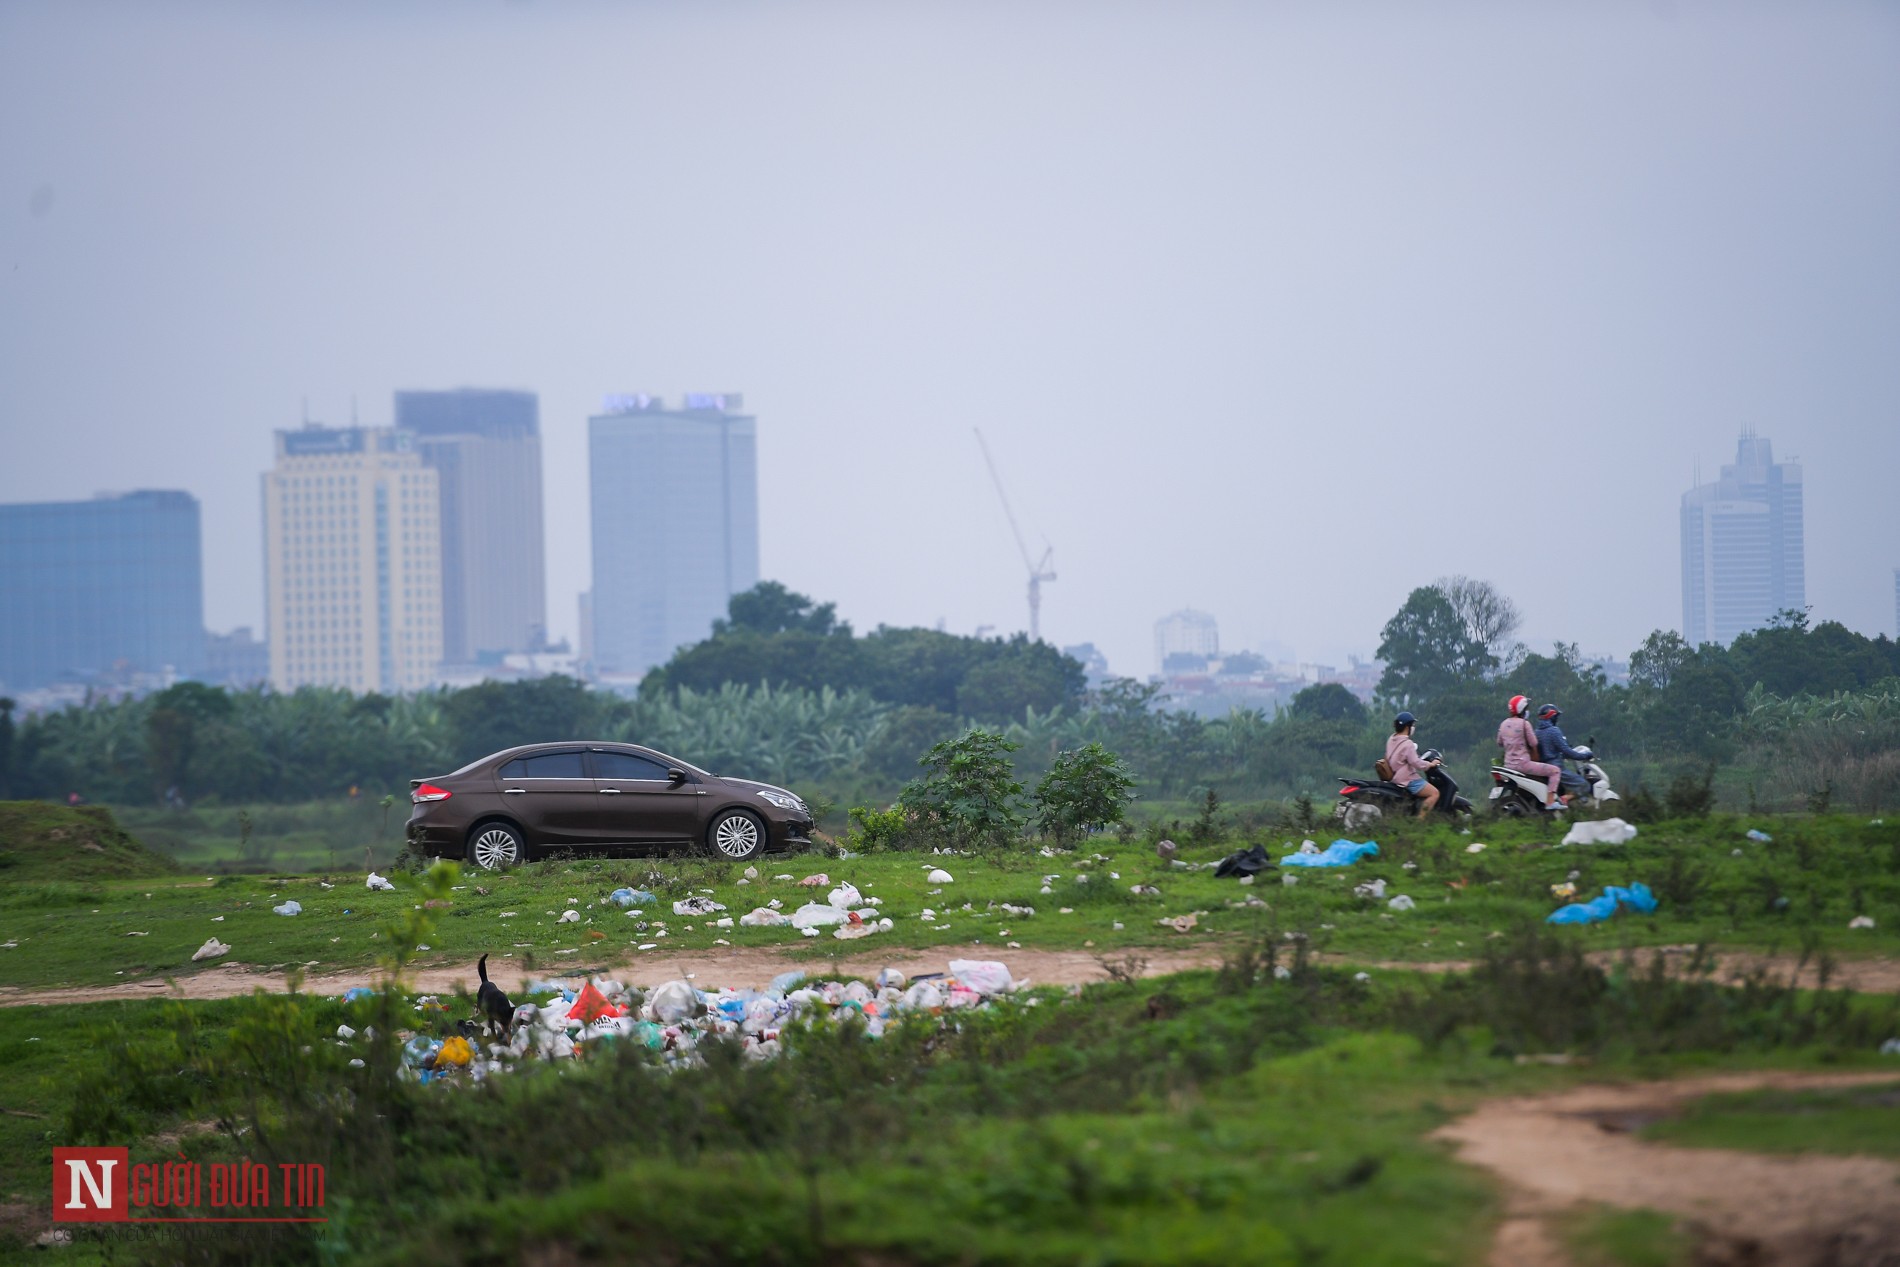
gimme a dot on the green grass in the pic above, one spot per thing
(340, 833)
(1599, 1237)
(1828, 870)
(1863, 1120)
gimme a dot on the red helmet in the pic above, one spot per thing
(1520, 706)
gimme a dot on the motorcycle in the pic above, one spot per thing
(1364, 801)
(1515, 794)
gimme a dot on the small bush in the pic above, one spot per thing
(969, 795)
(875, 830)
(1086, 787)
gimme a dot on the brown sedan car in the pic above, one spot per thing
(505, 808)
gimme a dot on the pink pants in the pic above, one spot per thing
(1553, 773)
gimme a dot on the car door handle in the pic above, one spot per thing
(608, 791)
(513, 791)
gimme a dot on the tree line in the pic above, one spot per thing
(784, 691)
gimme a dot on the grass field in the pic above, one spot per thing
(1715, 885)
(1858, 1120)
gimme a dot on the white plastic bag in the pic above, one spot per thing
(812, 915)
(292, 907)
(940, 876)
(210, 950)
(764, 917)
(845, 896)
(1401, 903)
(674, 1001)
(985, 976)
(378, 883)
(1605, 831)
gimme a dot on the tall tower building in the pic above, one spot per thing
(1186, 632)
(101, 588)
(485, 447)
(352, 561)
(1742, 554)
(676, 523)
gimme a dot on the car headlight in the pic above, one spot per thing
(784, 800)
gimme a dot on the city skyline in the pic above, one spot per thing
(1265, 308)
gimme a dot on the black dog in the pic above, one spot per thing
(493, 1003)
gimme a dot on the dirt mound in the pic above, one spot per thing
(41, 842)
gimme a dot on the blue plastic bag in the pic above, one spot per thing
(1341, 853)
(631, 897)
(1636, 897)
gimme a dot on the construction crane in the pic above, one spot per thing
(1038, 571)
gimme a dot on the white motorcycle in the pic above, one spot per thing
(1515, 794)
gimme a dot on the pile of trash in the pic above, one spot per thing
(1341, 853)
(1636, 897)
(567, 1021)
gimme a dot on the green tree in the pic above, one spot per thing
(1328, 701)
(178, 717)
(1655, 662)
(770, 608)
(1427, 650)
(969, 794)
(1087, 787)
(496, 715)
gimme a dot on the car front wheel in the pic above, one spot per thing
(496, 847)
(737, 835)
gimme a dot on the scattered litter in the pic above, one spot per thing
(1289, 880)
(1476, 846)
(1564, 890)
(292, 907)
(1891, 1047)
(569, 916)
(1604, 831)
(1759, 837)
(1180, 923)
(818, 881)
(128, 935)
(378, 883)
(210, 950)
(845, 895)
(939, 876)
(1371, 888)
(813, 916)
(1636, 897)
(631, 897)
(1247, 862)
(1362, 976)
(1401, 903)
(696, 906)
(1861, 921)
(1145, 890)
(1166, 851)
(1341, 853)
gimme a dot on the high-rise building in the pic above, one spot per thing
(485, 447)
(1742, 552)
(353, 561)
(236, 659)
(104, 588)
(1185, 633)
(1896, 602)
(676, 523)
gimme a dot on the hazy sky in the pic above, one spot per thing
(1275, 310)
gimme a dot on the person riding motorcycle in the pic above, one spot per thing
(1553, 748)
(1519, 742)
(1408, 767)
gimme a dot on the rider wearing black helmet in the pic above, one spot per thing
(1553, 748)
(1408, 767)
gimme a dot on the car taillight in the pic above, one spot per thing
(429, 792)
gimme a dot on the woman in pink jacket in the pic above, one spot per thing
(1519, 742)
(1408, 767)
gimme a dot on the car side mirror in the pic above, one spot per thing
(676, 777)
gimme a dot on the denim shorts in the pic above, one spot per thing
(1415, 787)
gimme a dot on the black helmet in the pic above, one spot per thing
(1549, 712)
(1403, 720)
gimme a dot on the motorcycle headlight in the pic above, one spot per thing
(784, 800)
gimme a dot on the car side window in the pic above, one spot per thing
(625, 765)
(545, 765)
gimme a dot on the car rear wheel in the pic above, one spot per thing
(737, 835)
(496, 847)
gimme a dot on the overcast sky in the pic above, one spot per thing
(1274, 310)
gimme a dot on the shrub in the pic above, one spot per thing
(1086, 787)
(969, 794)
(872, 830)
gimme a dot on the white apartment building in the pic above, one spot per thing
(352, 561)
(1186, 632)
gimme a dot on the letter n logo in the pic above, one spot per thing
(89, 1185)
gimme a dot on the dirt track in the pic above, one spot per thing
(1556, 1151)
(740, 967)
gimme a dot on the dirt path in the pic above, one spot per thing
(1556, 1151)
(737, 967)
(749, 966)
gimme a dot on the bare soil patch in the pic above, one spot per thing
(1554, 1152)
